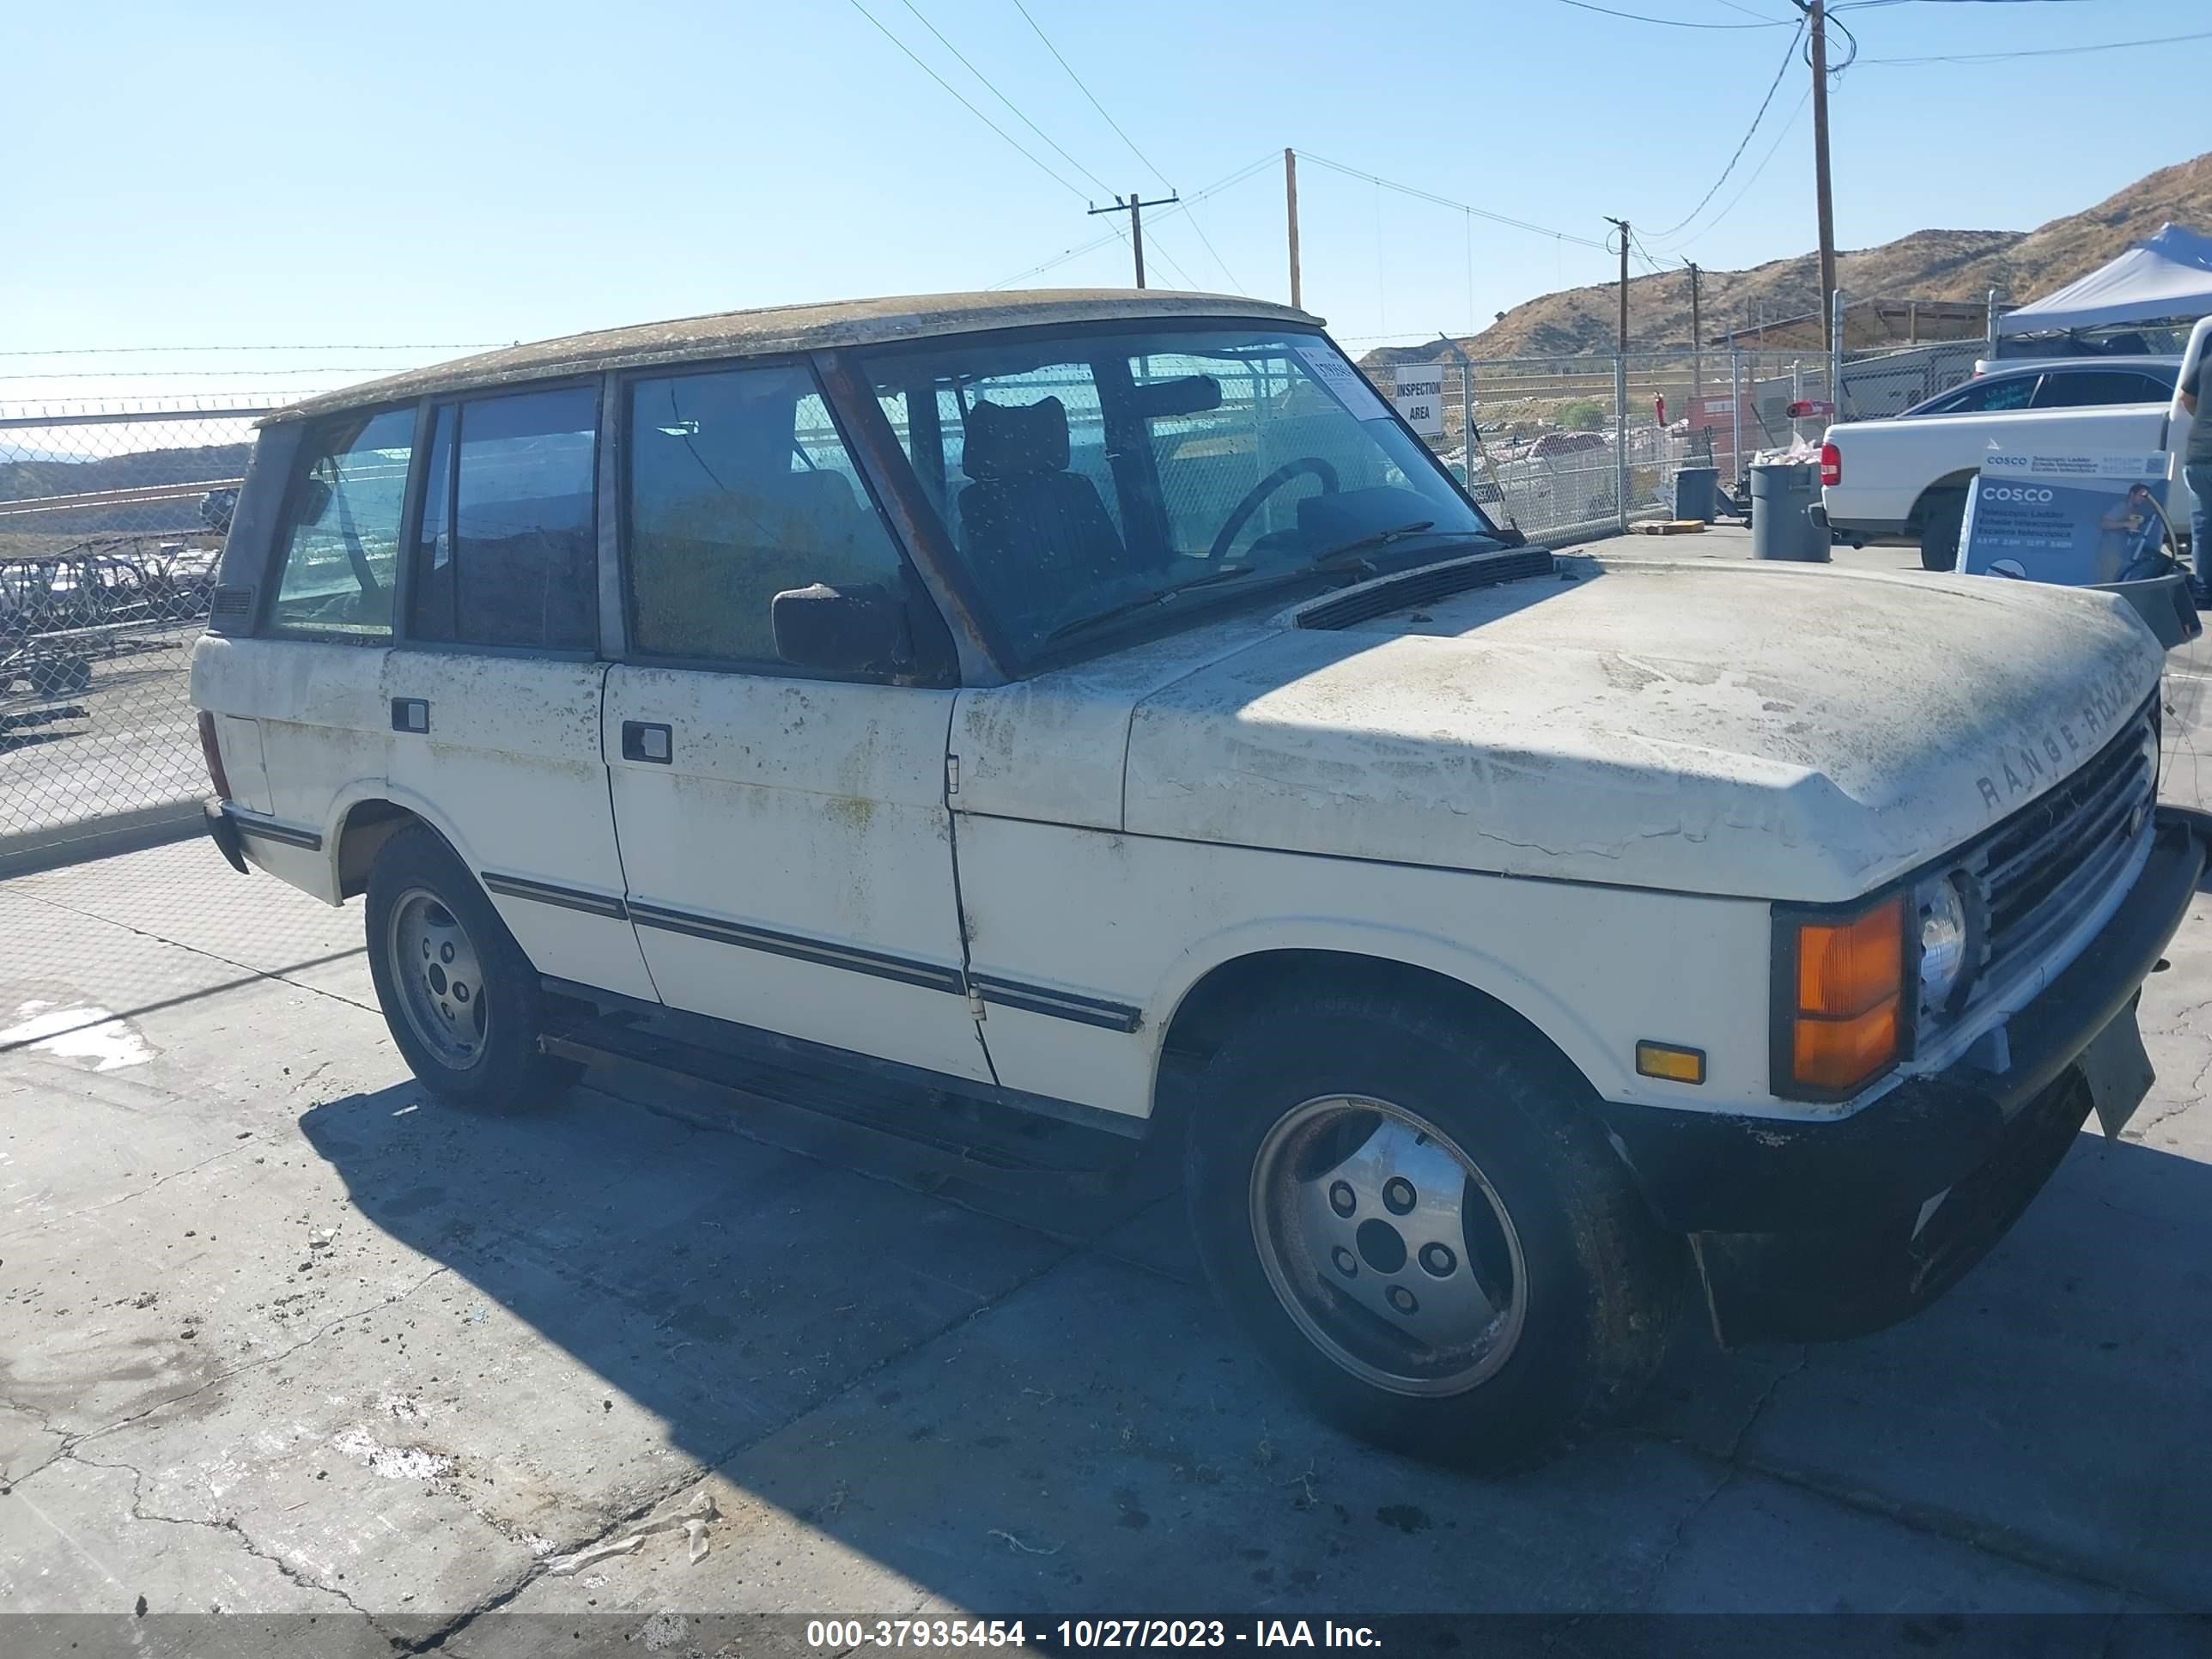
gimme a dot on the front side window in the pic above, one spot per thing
(339, 547)
(505, 552)
(740, 488)
(1989, 396)
(1088, 476)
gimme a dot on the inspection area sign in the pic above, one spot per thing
(1420, 398)
(2077, 521)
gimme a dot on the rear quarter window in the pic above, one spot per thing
(337, 547)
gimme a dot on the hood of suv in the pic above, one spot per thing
(1764, 731)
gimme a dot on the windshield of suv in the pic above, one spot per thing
(1093, 476)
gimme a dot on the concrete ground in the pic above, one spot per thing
(280, 1335)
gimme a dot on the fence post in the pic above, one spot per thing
(1620, 440)
(1736, 408)
(1836, 359)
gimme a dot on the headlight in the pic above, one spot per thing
(1942, 943)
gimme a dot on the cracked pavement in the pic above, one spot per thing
(279, 1335)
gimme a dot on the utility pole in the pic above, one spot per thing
(1621, 225)
(1696, 336)
(1291, 199)
(1816, 18)
(1135, 210)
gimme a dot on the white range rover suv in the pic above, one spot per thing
(1035, 696)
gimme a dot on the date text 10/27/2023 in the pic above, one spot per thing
(1086, 1634)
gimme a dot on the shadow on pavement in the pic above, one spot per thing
(993, 1414)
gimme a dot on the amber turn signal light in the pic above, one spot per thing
(1664, 1060)
(1849, 984)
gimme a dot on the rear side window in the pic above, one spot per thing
(2082, 388)
(338, 547)
(505, 550)
(740, 488)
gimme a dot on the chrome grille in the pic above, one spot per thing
(2038, 874)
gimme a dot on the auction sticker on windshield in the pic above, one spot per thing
(1344, 382)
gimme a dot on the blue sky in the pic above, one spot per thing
(225, 175)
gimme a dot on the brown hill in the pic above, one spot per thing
(1960, 265)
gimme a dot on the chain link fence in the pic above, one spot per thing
(112, 519)
(1569, 447)
(112, 515)
(1874, 386)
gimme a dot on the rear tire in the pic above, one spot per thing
(1487, 1315)
(463, 1004)
(1943, 520)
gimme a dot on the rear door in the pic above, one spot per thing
(784, 834)
(298, 705)
(493, 694)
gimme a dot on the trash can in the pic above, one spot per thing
(1782, 526)
(1696, 490)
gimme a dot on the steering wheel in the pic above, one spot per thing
(1260, 492)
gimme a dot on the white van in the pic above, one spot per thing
(1026, 695)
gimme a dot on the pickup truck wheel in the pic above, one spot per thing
(463, 1002)
(1422, 1230)
(1942, 521)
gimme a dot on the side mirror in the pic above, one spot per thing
(314, 501)
(841, 630)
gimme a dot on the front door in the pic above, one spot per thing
(494, 695)
(786, 840)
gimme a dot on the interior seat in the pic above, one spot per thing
(1033, 531)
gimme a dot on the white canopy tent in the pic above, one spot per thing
(2165, 275)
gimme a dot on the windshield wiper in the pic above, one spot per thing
(1339, 558)
(1158, 596)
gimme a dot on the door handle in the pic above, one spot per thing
(410, 714)
(643, 740)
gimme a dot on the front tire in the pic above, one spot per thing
(463, 1004)
(1418, 1222)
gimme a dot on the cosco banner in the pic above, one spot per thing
(1420, 398)
(2078, 520)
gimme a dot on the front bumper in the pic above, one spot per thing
(1817, 1229)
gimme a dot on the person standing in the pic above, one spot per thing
(2196, 470)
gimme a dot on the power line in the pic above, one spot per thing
(1457, 207)
(1086, 92)
(1789, 57)
(1787, 128)
(1671, 22)
(2041, 52)
(1868, 5)
(1082, 87)
(1003, 99)
(1225, 182)
(965, 104)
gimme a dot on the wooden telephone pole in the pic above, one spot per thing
(1816, 20)
(1135, 210)
(1291, 200)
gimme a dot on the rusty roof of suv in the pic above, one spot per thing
(779, 329)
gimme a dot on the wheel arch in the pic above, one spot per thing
(1215, 1003)
(1959, 481)
(368, 816)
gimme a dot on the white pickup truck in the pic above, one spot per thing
(1908, 476)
